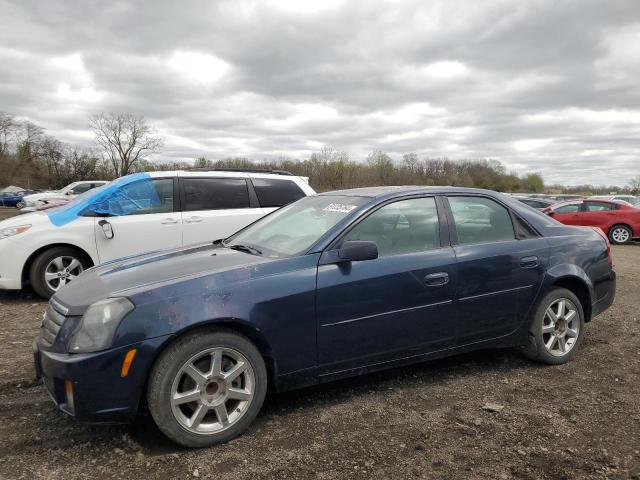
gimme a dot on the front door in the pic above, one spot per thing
(569, 214)
(143, 219)
(499, 272)
(214, 208)
(396, 305)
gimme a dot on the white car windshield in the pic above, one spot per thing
(292, 229)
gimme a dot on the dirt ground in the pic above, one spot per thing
(580, 420)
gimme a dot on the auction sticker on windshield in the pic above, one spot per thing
(339, 207)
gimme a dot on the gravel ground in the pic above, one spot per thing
(580, 420)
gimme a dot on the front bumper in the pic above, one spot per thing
(100, 394)
(13, 255)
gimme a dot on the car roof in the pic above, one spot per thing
(378, 192)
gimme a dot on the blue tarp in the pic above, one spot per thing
(120, 197)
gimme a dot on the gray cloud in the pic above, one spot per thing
(542, 86)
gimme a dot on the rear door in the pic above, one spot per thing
(598, 214)
(144, 218)
(500, 264)
(215, 207)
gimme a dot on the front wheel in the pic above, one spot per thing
(620, 234)
(207, 388)
(556, 328)
(54, 268)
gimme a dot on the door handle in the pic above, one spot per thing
(193, 220)
(169, 221)
(436, 279)
(529, 262)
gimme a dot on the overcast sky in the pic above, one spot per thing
(549, 86)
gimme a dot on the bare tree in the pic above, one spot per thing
(634, 183)
(124, 139)
(7, 129)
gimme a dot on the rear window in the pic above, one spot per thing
(599, 206)
(274, 192)
(480, 220)
(215, 193)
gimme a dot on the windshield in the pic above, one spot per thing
(293, 229)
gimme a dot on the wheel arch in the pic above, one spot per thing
(621, 224)
(27, 265)
(236, 325)
(579, 288)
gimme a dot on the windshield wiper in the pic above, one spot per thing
(246, 249)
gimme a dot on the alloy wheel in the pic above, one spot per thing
(560, 327)
(620, 235)
(61, 270)
(212, 390)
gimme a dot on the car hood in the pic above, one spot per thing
(33, 219)
(134, 275)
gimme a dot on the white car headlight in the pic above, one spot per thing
(11, 231)
(98, 325)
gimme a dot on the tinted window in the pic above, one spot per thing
(139, 198)
(570, 208)
(599, 206)
(273, 192)
(215, 193)
(83, 187)
(480, 220)
(401, 227)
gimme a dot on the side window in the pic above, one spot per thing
(273, 192)
(570, 208)
(599, 206)
(215, 193)
(139, 198)
(401, 227)
(480, 220)
(83, 187)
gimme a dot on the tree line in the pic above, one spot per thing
(123, 143)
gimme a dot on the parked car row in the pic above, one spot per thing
(48, 199)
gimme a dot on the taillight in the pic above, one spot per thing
(606, 241)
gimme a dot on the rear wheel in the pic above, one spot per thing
(54, 268)
(556, 328)
(207, 388)
(620, 234)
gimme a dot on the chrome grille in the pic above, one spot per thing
(51, 323)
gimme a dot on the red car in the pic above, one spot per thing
(620, 221)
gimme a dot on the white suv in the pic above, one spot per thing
(31, 202)
(134, 214)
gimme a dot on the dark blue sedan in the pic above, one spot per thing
(13, 199)
(331, 286)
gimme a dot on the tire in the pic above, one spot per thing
(567, 332)
(20, 205)
(172, 377)
(620, 234)
(67, 261)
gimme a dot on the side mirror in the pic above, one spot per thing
(107, 229)
(357, 250)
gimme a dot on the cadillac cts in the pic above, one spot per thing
(331, 286)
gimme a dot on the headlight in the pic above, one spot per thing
(11, 231)
(98, 325)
